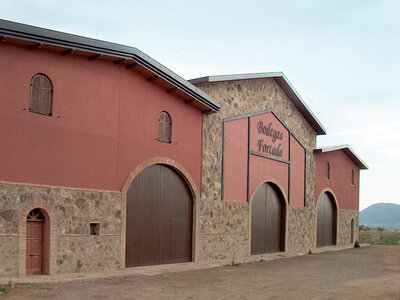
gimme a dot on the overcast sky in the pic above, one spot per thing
(342, 57)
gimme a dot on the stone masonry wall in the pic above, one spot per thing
(302, 229)
(344, 227)
(224, 226)
(74, 210)
(9, 255)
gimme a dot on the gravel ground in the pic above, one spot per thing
(363, 273)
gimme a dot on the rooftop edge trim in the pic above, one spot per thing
(348, 151)
(51, 37)
(284, 84)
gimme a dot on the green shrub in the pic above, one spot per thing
(389, 239)
(365, 228)
(5, 289)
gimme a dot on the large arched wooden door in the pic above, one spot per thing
(326, 220)
(268, 220)
(159, 212)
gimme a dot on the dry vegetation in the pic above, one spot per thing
(379, 236)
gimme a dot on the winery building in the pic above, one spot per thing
(110, 160)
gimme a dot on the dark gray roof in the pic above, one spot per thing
(348, 151)
(283, 83)
(43, 36)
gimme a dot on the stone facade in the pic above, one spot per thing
(223, 234)
(71, 212)
(223, 230)
(302, 223)
(344, 227)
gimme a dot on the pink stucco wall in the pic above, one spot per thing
(346, 194)
(268, 170)
(104, 122)
(236, 160)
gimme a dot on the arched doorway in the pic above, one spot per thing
(326, 220)
(159, 213)
(37, 237)
(267, 220)
(352, 232)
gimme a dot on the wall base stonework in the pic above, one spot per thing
(8, 256)
(72, 248)
(225, 234)
(344, 227)
(301, 231)
(87, 253)
(223, 227)
(223, 230)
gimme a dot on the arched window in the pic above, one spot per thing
(35, 215)
(164, 127)
(328, 170)
(41, 95)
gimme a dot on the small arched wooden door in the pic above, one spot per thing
(326, 220)
(267, 220)
(159, 213)
(35, 237)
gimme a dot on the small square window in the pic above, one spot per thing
(94, 228)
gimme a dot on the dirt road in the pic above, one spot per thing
(364, 273)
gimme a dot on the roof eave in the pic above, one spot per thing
(282, 82)
(348, 151)
(55, 38)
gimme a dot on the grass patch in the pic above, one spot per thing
(392, 239)
(379, 236)
(5, 289)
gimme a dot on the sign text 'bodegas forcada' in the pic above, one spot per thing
(263, 146)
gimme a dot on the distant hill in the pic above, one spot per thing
(385, 215)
